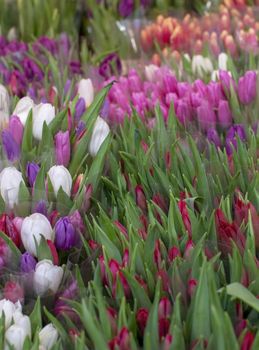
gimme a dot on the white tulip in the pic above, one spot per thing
(47, 277)
(9, 309)
(33, 227)
(201, 65)
(100, 132)
(23, 108)
(215, 75)
(4, 118)
(10, 180)
(150, 72)
(22, 321)
(4, 99)
(223, 61)
(60, 177)
(86, 91)
(15, 337)
(48, 336)
(44, 112)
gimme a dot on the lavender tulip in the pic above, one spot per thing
(224, 114)
(41, 208)
(79, 109)
(32, 170)
(62, 144)
(247, 87)
(11, 148)
(16, 129)
(213, 137)
(110, 65)
(27, 262)
(206, 116)
(231, 138)
(65, 234)
(126, 7)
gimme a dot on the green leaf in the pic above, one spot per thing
(238, 291)
(27, 135)
(137, 290)
(35, 316)
(54, 126)
(15, 251)
(64, 203)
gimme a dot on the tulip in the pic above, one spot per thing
(140, 198)
(33, 227)
(13, 291)
(44, 112)
(60, 178)
(224, 114)
(16, 129)
(100, 131)
(10, 181)
(23, 108)
(86, 91)
(9, 308)
(8, 227)
(4, 99)
(223, 61)
(15, 337)
(150, 72)
(32, 170)
(206, 116)
(201, 65)
(235, 131)
(142, 317)
(41, 208)
(126, 8)
(4, 118)
(247, 87)
(27, 262)
(110, 66)
(213, 137)
(164, 308)
(248, 341)
(79, 109)
(65, 234)
(47, 277)
(48, 336)
(62, 147)
(185, 216)
(10, 146)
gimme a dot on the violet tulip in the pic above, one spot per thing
(65, 234)
(206, 116)
(110, 65)
(16, 129)
(32, 170)
(247, 87)
(224, 114)
(79, 109)
(27, 262)
(62, 144)
(126, 7)
(10, 146)
(231, 138)
(213, 137)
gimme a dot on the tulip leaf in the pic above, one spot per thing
(238, 291)
(23, 208)
(62, 332)
(2, 205)
(64, 203)
(27, 135)
(35, 317)
(54, 125)
(137, 290)
(43, 250)
(15, 251)
(39, 191)
(46, 147)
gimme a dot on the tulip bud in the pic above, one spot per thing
(192, 283)
(47, 277)
(206, 116)
(27, 262)
(60, 177)
(9, 309)
(8, 227)
(248, 341)
(65, 234)
(10, 181)
(224, 114)
(164, 308)
(173, 253)
(150, 72)
(86, 91)
(185, 216)
(231, 137)
(213, 137)
(33, 227)
(32, 170)
(140, 198)
(79, 109)
(247, 87)
(13, 291)
(48, 336)
(16, 129)
(100, 131)
(62, 144)
(223, 61)
(44, 112)
(142, 317)
(23, 108)
(10, 146)
(15, 336)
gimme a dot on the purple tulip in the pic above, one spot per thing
(226, 80)
(110, 65)
(231, 138)
(105, 109)
(16, 129)
(215, 93)
(247, 87)
(62, 148)
(64, 44)
(183, 111)
(224, 114)
(27, 263)
(206, 116)
(32, 70)
(79, 109)
(67, 86)
(76, 219)
(75, 67)
(126, 7)
(65, 234)
(41, 208)
(80, 129)
(32, 170)
(10, 146)
(213, 137)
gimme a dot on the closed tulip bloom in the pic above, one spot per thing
(247, 87)
(33, 227)
(213, 137)
(32, 170)
(126, 8)
(48, 336)
(100, 132)
(62, 147)
(10, 146)
(27, 263)
(44, 112)
(150, 72)
(47, 277)
(231, 137)
(223, 61)
(86, 91)
(16, 129)
(15, 337)
(224, 114)
(60, 178)
(206, 116)
(8, 308)
(65, 234)
(79, 109)
(10, 181)
(201, 65)
(4, 99)
(23, 108)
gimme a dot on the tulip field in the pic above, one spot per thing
(129, 174)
